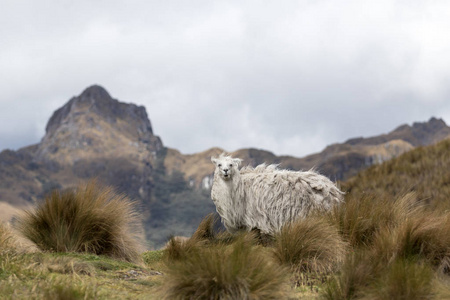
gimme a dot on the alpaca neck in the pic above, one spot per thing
(234, 185)
(229, 205)
(230, 187)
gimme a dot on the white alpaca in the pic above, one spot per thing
(266, 197)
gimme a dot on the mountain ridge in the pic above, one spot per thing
(338, 161)
(95, 135)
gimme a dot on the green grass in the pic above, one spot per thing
(75, 276)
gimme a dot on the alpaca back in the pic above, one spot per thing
(275, 197)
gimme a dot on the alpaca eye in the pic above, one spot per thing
(231, 165)
(220, 165)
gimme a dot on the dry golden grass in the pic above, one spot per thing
(423, 170)
(398, 247)
(90, 219)
(310, 245)
(422, 237)
(236, 271)
(403, 279)
(205, 230)
(359, 219)
(354, 275)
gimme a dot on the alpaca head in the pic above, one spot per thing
(226, 166)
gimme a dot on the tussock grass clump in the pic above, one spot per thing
(237, 271)
(204, 235)
(403, 279)
(177, 249)
(396, 256)
(422, 236)
(357, 271)
(91, 219)
(310, 245)
(205, 230)
(364, 277)
(359, 219)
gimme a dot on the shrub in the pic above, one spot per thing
(309, 244)
(236, 271)
(90, 218)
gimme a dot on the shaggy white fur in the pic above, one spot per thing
(266, 197)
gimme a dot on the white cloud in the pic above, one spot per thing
(290, 77)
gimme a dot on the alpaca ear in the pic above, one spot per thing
(213, 159)
(237, 161)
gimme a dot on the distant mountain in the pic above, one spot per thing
(337, 161)
(94, 135)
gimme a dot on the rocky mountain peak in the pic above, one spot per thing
(432, 125)
(95, 92)
(96, 100)
(95, 121)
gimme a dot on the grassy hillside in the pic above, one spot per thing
(424, 170)
(380, 244)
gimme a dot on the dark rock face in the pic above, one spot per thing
(96, 123)
(91, 136)
(96, 99)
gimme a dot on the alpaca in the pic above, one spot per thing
(265, 197)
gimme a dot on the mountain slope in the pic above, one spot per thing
(424, 170)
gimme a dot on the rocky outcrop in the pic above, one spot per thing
(92, 135)
(95, 125)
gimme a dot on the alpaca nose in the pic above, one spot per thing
(225, 170)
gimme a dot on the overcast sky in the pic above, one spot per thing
(290, 77)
